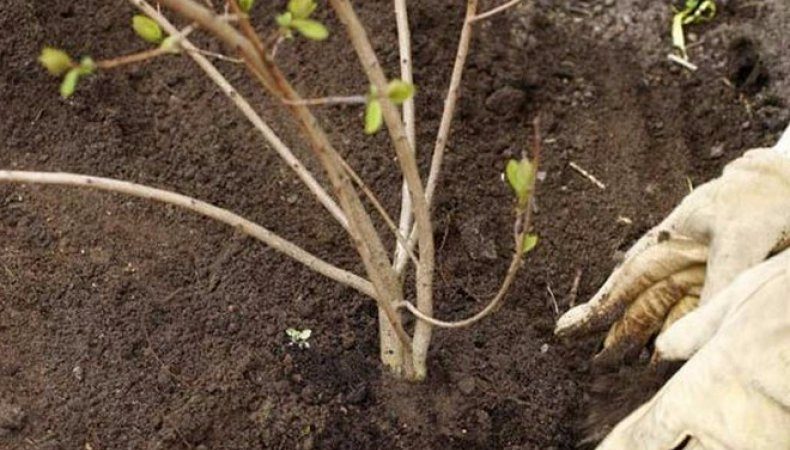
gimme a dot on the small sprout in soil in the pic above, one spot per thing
(520, 175)
(297, 18)
(57, 62)
(299, 337)
(398, 91)
(694, 11)
(147, 29)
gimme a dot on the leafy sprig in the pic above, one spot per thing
(297, 18)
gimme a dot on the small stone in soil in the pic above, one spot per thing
(506, 100)
(466, 385)
(11, 418)
(716, 151)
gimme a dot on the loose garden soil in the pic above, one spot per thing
(128, 324)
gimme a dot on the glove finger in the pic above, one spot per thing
(693, 444)
(684, 306)
(656, 425)
(628, 281)
(643, 318)
(691, 332)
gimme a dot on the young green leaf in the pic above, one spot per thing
(246, 5)
(56, 61)
(373, 116)
(521, 177)
(87, 65)
(528, 243)
(147, 29)
(284, 19)
(301, 9)
(399, 91)
(310, 29)
(69, 84)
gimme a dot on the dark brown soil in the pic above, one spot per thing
(126, 324)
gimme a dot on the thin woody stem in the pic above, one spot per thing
(450, 102)
(409, 121)
(379, 207)
(332, 100)
(515, 264)
(521, 227)
(495, 11)
(131, 59)
(219, 214)
(144, 55)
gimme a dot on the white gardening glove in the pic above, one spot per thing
(721, 229)
(734, 392)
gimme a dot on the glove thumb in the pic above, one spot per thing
(686, 336)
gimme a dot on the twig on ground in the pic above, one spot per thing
(332, 100)
(574, 292)
(494, 11)
(553, 300)
(587, 175)
(683, 62)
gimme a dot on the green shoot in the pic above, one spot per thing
(56, 61)
(520, 176)
(694, 11)
(373, 117)
(147, 29)
(297, 19)
(69, 83)
(299, 337)
(528, 243)
(398, 91)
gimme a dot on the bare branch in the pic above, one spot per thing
(380, 208)
(219, 56)
(409, 121)
(447, 117)
(332, 100)
(494, 11)
(219, 214)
